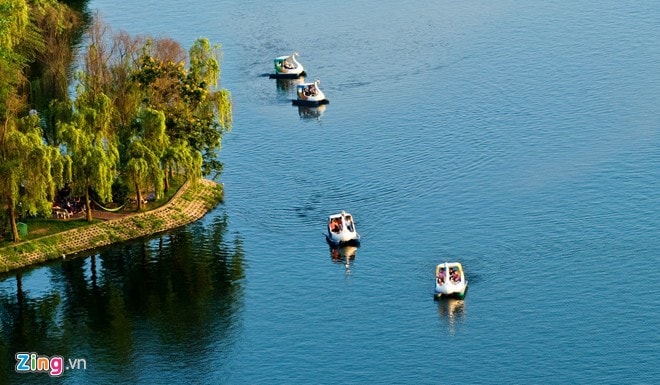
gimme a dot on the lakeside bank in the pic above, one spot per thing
(190, 203)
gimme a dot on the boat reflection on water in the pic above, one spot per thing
(309, 113)
(287, 87)
(452, 312)
(343, 255)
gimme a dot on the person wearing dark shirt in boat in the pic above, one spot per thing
(454, 276)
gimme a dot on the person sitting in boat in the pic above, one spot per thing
(335, 225)
(312, 89)
(287, 65)
(349, 223)
(441, 277)
(454, 276)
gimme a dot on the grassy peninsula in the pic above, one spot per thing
(190, 203)
(144, 110)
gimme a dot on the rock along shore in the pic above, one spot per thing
(189, 204)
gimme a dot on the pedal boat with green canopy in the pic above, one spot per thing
(450, 281)
(287, 67)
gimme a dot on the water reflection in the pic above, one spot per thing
(343, 255)
(170, 296)
(310, 113)
(452, 312)
(287, 86)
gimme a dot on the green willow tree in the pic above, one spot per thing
(60, 27)
(14, 27)
(196, 111)
(213, 108)
(144, 154)
(27, 164)
(31, 171)
(180, 158)
(92, 146)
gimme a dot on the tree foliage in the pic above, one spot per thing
(144, 153)
(197, 112)
(60, 27)
(26, 163)
(143, 110)
(31, 170)
(92, 147)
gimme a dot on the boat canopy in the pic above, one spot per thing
(447, 270)
(307, 90)
(340, 221)
(285, 62)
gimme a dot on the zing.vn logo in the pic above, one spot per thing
(54, 366)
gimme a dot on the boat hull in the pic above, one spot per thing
(310, 103)
(334, 242)
(458, 292)
(288, 75)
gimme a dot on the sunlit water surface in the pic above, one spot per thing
(519, 138)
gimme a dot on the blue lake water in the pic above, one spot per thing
(519, 138)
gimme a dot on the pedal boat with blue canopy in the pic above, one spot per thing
(287, 67)
(310, 95)
(450, 281)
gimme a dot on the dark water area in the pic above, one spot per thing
(518, 138)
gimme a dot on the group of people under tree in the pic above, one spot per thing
(64, 200)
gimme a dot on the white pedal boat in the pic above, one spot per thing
(287, 67)
(450, 280)
(310, 95)
(341, 230)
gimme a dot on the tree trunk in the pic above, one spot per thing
(167, 179)
(88, 205)
(139, 196)
(12, 220)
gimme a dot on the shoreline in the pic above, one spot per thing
(190, 203)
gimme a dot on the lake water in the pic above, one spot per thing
(519, 138)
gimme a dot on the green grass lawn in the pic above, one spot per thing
(40, 227)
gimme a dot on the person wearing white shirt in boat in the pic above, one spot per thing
(349, 223)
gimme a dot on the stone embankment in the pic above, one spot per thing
(189, 204)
